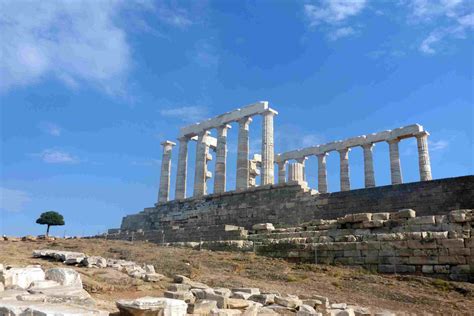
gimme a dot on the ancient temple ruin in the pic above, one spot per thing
(291, 164)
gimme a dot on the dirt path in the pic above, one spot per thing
(414, 294)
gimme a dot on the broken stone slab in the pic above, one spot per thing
(65, 277)
(220, 299)
(153, 277)
(225, 312)
(179, 287)
(201, 293)
(339, 305)
(151, 306)
(42, 284)
(340, 312)
(66, 294)
(202, 307)
(306, 310)
(21, 277)
(223, 291)
(360, 311)
(185, 280)
(265, 311)
(32, 298)
(186, 296)
(281, 310)
(11, 294)
(404, 213)
(264, 299)
(149, 268)
(241, 295)
(250, 290)
(235, 303)
(95, 262)
(263, 227)
(289, 301)
(25, 308)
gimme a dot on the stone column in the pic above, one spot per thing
(221, 158)
(242, 179)
(303, 167)
(322, 173)
(282, 172)
(395, 168)
(180, 191)
(268, 154)
(295, 173)
(344, 169)
(200, 172)
(164, 191)
(368, 165)
(423, 156)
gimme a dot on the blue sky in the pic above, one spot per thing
(89, 89)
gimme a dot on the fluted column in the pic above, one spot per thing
(395, 168)
(303, 166)
(200, 172)
(282, 172)
(242, 179)
(180, 191)
(295, 172)
(368, 165)
(423, 156)
(221, 159)
(344, 169)
(164, 191)
(268, 154)
(322, 173)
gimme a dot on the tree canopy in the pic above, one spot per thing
(50, 218)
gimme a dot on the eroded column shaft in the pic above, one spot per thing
(242, 179)
(369, 175)
(181, 175)
(163, 193)
(322, 174)
(200, 171)
(424, 156)
(395, 168)
(282, 172)
(344, 169)
(268, 154)
(221, 159)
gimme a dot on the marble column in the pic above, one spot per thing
(282, 171)
(164, 191)
(395, 168)
(344, 169)
(180, 191)
(423, 156)
(368, 165)
(322, 173)
(303, 166)
(242, 179)
(295, 172)
(268, 154)
(200, 170)
(221, 159)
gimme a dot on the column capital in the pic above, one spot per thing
(282, 163)
(184, 139)
(301, 160)
(322, 155)
(245, 121)
(269, 112)
(393, 140)
(422, 134)
(223, 127)
(368, 146)
(168, 143)
(344, 150)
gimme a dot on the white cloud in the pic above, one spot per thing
(57, 156)
(341, 32)
(75, 41)
(50, 128)
(333, 11)
(438, 145)
(13, 200)
(450, 19)
(189, 114)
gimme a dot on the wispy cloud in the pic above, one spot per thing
(334, 15)
(449, 19)
(188, 114)
(438, 145)
(146, 162)
(57, 157)
(50, 128)
(13, 200)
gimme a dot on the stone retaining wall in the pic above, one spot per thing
(290, 204)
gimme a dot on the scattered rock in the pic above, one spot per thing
(202, 307)
(21, 277)
(152, 306)
(65, 277)
(306, 310)
(263, 227)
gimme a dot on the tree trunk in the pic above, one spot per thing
(47, 231)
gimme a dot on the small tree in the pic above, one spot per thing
(50, 218)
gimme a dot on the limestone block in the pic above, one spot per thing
(360, 311)
(263, 227)
(236, 303)
(427, 269)
(314, 302)
(419, 244)
(441, 268)
(459, 216)
(220, 299)
(201, 293)
(453, 243)
(65, 294)
(202, 307)
(95, 262)
(461, 269)
(175, 287)
(340, 312)
(225, 312)
(21, 277)
(42, 284)
(423, 260)
(264, 299)
(290, 301)
(153, 277)
(339, 305)
(186, 296)
(149, 268)
(421, 220)
(451, 260)
(265, 311)
(306, 310)
(362, 217)
(11, 294)
(241, 295)
(64, 276)
(152, 306)
(381, 216)
(404, 213)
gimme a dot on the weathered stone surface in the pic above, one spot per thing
(225, 312)
(95, 262)
(264, 299)
(21, 277)
(186, 296)
(289, 301)
(306, 310)
(65, 294)
(11, 294)
(241, 295)
(235, 303)
(65, 277)
(202, 307)
(250, 290)
(42, 284)
(152, 306)
(263, 227)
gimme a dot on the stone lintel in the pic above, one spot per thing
(226, 118)
(167, 143)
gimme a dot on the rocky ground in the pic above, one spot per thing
(409, 294)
